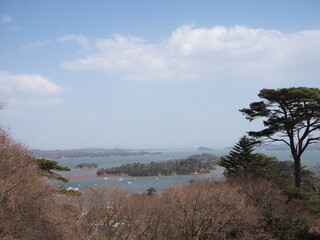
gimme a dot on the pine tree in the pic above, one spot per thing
(291, 116)
(241, 159)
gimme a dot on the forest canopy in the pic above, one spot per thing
(192, 165)
(86, 165)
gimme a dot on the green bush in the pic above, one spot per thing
(70, 192)
(297, 193)
(312, 206)
(286, 228)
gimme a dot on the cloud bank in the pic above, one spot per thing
(37, 44)
(6, 24)
(29, 89)
(193, 53)
(27, 83)
(4, 19)
(81, 40)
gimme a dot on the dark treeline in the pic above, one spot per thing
(192, 165)
(86, 165)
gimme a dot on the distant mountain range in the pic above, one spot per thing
(102, 152)
(87, 152)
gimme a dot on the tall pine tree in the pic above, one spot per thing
(291, 116)
(241, 159)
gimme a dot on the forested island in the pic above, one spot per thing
(86, 165)
(195, 164)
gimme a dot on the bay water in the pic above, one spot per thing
(310, 159)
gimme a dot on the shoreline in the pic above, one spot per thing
(129, 176)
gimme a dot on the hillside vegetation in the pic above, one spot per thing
(260, 205)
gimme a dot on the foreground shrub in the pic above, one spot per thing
(202, 210)
(282, 217)
(27, 208)
(210, 210)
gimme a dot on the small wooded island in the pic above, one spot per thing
(86, 165)
(196, 164)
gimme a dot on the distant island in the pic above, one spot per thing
(280, 147)
(204, 149)
(87, 152)
(196, 164)
(86, 166)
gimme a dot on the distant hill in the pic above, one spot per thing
(86, 152)
(204, 149)
(275, 147)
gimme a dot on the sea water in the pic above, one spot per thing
(310, 159)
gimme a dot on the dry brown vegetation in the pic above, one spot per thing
(31, 208)
(27, 208)
(202, 210)
(284, 218)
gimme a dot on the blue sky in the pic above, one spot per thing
(148, 74)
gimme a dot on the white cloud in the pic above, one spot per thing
(191, 53)
(81, 40)
(36, 44)
(6, 24)
(4, 19)
(15, 84)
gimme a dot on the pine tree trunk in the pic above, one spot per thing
(297, 172)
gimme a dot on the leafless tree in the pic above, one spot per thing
(27, 207)
(284, 218)
(209, 210)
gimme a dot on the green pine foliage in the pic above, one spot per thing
(151, 191)
(241, 159)
(70, 192)
(290, 115)
(47, 167)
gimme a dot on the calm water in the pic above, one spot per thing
(140, 184)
